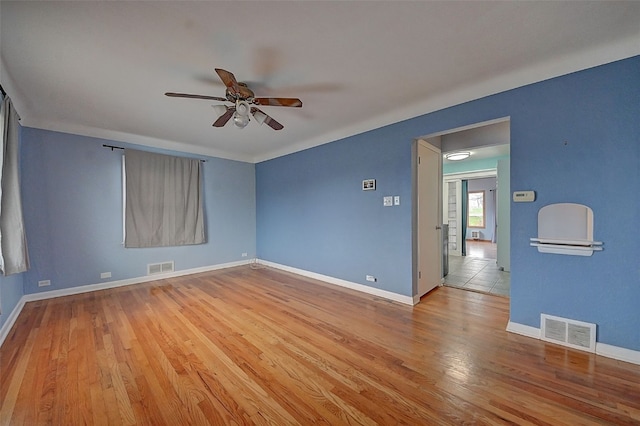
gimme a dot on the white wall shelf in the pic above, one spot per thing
(566, 228)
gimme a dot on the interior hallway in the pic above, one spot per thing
(478, 270)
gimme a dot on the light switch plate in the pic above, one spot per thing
(387, 201)
(396, 200)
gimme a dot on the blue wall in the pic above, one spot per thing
(72, 195)
(575, 138)
(314, 215)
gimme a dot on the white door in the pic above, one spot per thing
(429, 188)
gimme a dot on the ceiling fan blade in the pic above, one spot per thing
(229, 80)
(186, 95)
(285, 102)
(222, 120)
(261, 117)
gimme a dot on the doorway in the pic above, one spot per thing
(474, 266)
(483, 269)
(477, 194)
(480, 235)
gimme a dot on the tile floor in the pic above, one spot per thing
(479, 274)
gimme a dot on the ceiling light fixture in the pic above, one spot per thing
(241, 116)
(457, 156)
(260, 116)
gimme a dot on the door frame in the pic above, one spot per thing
(434, 139)
(458, 178)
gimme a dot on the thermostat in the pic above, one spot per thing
(524, 196)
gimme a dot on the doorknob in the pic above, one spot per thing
(438, 227)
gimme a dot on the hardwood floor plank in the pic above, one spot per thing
(244, 346)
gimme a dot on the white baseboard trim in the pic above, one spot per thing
(13, 316)
(524, 330)
(618, 353)
(609, 351)
(130, 281)
(407, 300)
(11, 319)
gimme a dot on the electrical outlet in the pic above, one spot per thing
(44, 283)
(371, 278)
(244, 254)
(387, 201)
(105, 275)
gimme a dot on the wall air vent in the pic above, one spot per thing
(160, 268)
(567, 332)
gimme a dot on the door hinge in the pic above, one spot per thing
(419, 274)
(418, 160)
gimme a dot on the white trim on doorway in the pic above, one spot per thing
(457, 178)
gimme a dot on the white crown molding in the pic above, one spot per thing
(130, 138)
(557, 67)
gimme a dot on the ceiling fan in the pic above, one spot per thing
(243, 99)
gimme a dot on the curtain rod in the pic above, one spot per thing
(112, 147)
(119, 147)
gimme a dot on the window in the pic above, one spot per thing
(163, 200)
(476, 217)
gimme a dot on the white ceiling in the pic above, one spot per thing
(102, 68)
(482, 142)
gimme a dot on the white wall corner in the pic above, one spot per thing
(407, 300)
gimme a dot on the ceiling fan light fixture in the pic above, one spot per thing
(242, 97)
(243, 108)
(240, 120)
(457, 156)
(260, 116)
(241, 116)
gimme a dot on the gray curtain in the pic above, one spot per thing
(14, 257)
(163, 204)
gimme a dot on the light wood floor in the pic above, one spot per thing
(482, 249)
(244, 346)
